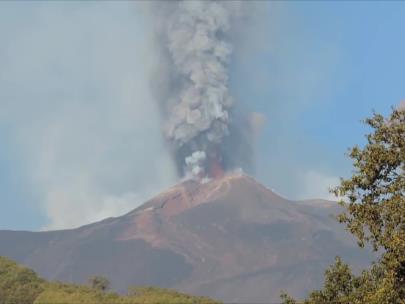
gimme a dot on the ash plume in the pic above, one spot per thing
(192, 80)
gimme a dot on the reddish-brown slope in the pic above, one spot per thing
(230, 238)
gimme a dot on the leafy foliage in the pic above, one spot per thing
(20, 285)
(99, 283)
(375, 214)
(150, 295)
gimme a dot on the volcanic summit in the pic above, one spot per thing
(230, 238)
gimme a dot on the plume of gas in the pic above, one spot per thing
(195, 101)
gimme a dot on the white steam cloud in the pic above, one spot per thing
(194, 163)
(401, 105)
(75, 97)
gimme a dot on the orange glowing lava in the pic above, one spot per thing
(215, 168)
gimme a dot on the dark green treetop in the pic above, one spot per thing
(374, 202)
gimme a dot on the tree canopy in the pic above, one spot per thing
(99, 282)
(18, 285)
(374, 202)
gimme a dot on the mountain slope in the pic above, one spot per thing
(231, 239)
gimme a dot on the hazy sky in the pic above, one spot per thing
(80, 133)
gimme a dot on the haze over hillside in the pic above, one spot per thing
(230, 238)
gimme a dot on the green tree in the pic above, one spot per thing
(18, 285)
(374, 202)
(99, 283)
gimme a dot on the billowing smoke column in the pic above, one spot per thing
(195, 100)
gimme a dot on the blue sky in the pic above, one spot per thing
(73, 78)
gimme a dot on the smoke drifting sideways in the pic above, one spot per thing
(401, 106)
(206, 132)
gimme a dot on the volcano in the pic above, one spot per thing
(230, 238)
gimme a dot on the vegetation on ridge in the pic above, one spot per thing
(20, 285)
(375, 214)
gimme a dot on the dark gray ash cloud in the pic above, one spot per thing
(191, 84)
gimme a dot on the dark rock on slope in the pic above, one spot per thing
(231, 239)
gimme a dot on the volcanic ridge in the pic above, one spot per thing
(229, 238)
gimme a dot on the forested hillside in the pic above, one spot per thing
(21, 285)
